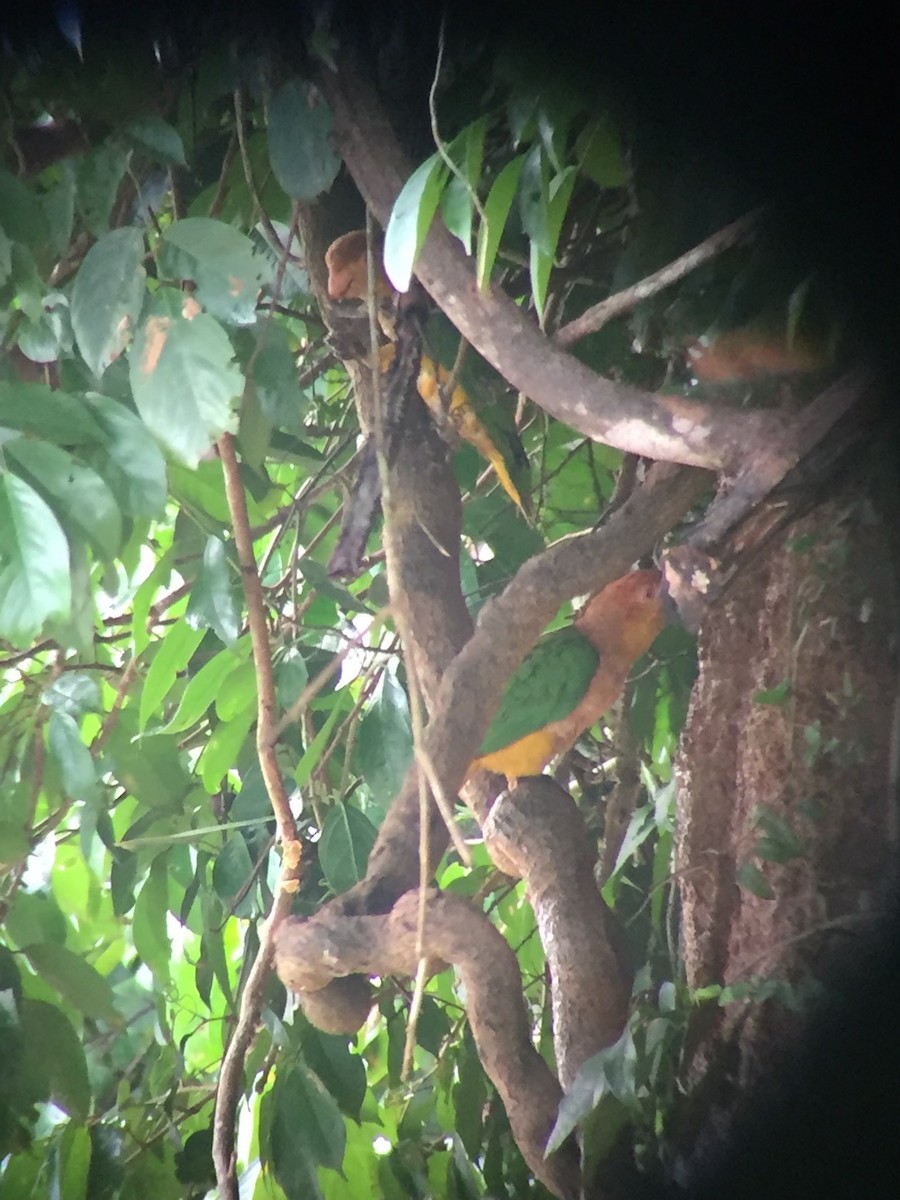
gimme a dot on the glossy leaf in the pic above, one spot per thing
(172, 657)
(150, 920)
(347, 837)
(383, 750)
(107, 297)
(157, 138)
(410, 219)
(185, 383)
(73, 978)
(496, 211)
(300, 141)
(34, 562)
(220, 260)
(57, 1054)
(213, 603)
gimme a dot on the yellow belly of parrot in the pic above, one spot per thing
(530, 754)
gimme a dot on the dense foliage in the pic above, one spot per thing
(155, 298)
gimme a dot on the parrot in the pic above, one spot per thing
(572, 676)
(348, 280)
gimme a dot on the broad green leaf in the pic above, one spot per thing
(291, 676)
(274, 377)
(150, 920)
(410, 220)
(222, 263)
(774, 695)
(50, 336)
(75, 693)
(172, 657)
(74, 978)
(128, 458)
(456, 210)
(307, 1108)
(301, 150)
(237, 692)
(55, 1050)
(59, 209)
(223, 747)
(5, 257)
(157, 138)
(599, 152)
(232, 876)
(52, 415)
(341, 1070)
(496, 210)
(347, 837)
(35, 917)
(107, 297)
(384, 746)
(204, 687)
(34, 563)
(213, 603)
(82, 502)
(609, 1073)
(98, 175)
(76, 764)
(150, 768)
(23, 217)
(185, 383)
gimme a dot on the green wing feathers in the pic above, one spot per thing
(547, 686)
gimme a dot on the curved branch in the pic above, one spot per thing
(655, 426)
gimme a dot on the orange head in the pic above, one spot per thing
(348, 273)
(623, 620)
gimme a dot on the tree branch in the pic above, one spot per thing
(654, 426)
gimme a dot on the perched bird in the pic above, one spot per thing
(490, 428)
(572, 676)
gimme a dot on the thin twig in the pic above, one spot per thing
(230, 1075)
(613, 306)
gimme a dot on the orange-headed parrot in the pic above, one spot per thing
(572, 676)
(348, 280)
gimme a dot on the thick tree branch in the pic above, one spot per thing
(651, 425)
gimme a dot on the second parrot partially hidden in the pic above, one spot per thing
(572, 676)
(490, 431)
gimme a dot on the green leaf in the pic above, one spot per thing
(15, 843)
(341, 1070)
(23, 217)
(599, 152)
(751, 878)
(173, 656)
(34, 563)
(55, 416)
(74, 693)
(774, 695)
(76, 764)
(213, 603)
(410, 219)
(237, 693)
(98, 175)
(316, 747)
(291, 677)
(541, 257)
(150, 920)
(185, 383)
(107, 297)
(609, 1073)
(220, 260)
(128, 459)
(76, 980)
(35, 917)
(347, 838)
(305, 1113)
(223, 747)
(53, 1048)
(496, 211)
(384, 744)
(456, 210)
(82, 502)
(534, 197)
(301, 151)
(59, 210)
(74, 1163)
(204, 687)
(231, 876)
(157, 137)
